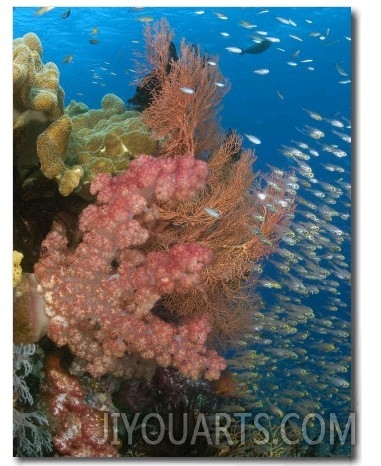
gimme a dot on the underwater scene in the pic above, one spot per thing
(182, 232)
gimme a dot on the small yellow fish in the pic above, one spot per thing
(313, 115)
(233, 49)
(94, 31)
(273, 39)
(220, 15)
(247, 25)
(44, 9)
(282, 20)
(295, 54)
(145, 19)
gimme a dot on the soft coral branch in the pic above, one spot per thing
(99, 294)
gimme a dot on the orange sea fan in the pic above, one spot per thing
(186, 92)
(241, 221)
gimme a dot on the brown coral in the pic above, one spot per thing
(185, 97)
(35, 85)
(85, 142)
(29, 318)
(240, 225)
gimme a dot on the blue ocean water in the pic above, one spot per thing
(252, 105)
(307, 89)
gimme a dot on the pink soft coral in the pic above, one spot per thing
(99, 295)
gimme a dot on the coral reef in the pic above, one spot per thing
(83, 142)
(186, 92)
(17, 270)
(30, 322)
(31, 432)
(151, 269)
(35, 85)
(99, 295)
(78, 429)
(28, 326)
(241, 223)
(38, 99)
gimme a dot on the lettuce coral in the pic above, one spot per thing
(83, 143)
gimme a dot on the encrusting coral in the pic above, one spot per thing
(83, 142)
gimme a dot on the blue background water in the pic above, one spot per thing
(253, 106)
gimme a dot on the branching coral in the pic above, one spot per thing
(31, 434)
(241, 224)
(185, 92)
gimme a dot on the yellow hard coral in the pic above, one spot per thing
(82, 143)
(70, 180)
(30, 322)
(52, 146)
(35, 85)
(32, 41)
(138, 142)
(17, 270)
(29, 318)
(76, 108)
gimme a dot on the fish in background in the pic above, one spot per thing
(258, 47)
(66, 14)
(44, 9)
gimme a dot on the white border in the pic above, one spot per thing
(367, 201)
